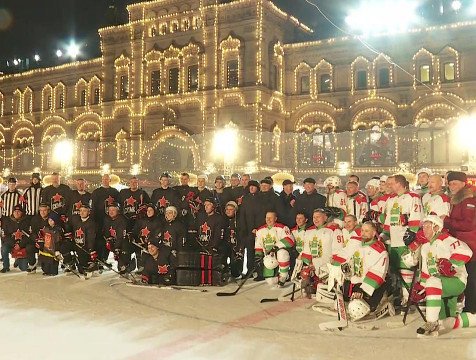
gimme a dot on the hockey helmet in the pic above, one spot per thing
(357, 309)
(333, 181)
(171, 208)
(373, 182)
(270, 261)
(436, 220)
(424, 170)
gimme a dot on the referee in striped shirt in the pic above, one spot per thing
(32, 195)
(10, 198)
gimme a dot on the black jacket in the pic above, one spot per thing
(307, 203)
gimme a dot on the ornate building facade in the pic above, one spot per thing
(181, 69)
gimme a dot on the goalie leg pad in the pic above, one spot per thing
(325, 296)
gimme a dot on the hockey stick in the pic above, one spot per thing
(167, 287)
(140, 247)
(134, 280)
(281, 298)
(342, 320)
(250, 273)
(409, 301)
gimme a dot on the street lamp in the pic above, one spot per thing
(63, 154)
(59, 53)
(225, 145)
(72, 50)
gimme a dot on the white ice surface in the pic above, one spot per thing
(66, 318)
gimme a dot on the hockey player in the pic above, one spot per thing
(78, 197)
(336, 198)
(422, 181)
(159, 264)
(219, 194)
(356, 201)
(37, 233)
(403, 213)
(15, 238)
(115, 231)
(272, 244)
(364, 268)
(210, 228)
(101, 198)
(374, 198)
(322, 240)
(299, 232)
(10, 198)
(235, 191)
(203, 193)
(231, 235)
(443, 273)
(32, 195)
(435, 201)
(352, 229)
(164, 196)
(174, 233)
(84, 230)
(49, 252)
(187, 195)
(146, 228)
(131, 199)
(55, 196)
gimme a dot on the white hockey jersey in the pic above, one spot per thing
(402, 212)
(269, 237)
(320, 243)
(370, 263)
(298, 236)
(357, 206)
(438, 203)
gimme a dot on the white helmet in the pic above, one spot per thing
(270, 261)
(373, 182)
(383, 178)
(357, 309)
(424, 170)
(436, 220)
(333, 181)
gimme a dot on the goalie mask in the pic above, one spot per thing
(270, 261)
(357, 309)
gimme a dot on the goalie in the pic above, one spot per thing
(361, 270)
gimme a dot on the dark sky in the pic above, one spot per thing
(41, 26)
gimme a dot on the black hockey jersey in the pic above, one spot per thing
(131, 200)
(84, 232)
(56, 198)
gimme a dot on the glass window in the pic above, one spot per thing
(305, 84)
(61, 101)
(362, 79)
(50, 102)
(374, 147)
(83, 98)
(155, 82)
(193, 78)
(232, 73)
(124, 89)
(153, 31)
(325, 83)
(174, 80)
(425, 74)
(88, 157)
(450, 71)
(97, 96)
(27, 104)
(384, 77)
(315, 149)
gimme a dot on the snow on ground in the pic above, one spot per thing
(64, 317)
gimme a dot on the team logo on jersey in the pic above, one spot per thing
(163, 202)
(205, 234)
(268, 242)
(79, 236)
(167, 238)
(112, 232)
(57, 202)
(18, 234)
(130, 206)
(109, 200)
(145, 232)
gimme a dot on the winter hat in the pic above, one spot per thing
(457, 175)
(232, 203)
(253, 183)
(54, 216)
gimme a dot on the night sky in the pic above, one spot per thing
(42, 26)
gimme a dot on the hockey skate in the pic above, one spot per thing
(430, 328)
(31, 269)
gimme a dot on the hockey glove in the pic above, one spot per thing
(144, 279)
(93, 255)
(418, 293)
(109, 244)
(63, 218)
(408, 237)
(445, 267)
(68, 236)
(163, 269)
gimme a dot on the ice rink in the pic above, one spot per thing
(66, 318)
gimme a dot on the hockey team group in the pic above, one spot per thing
(383, 250)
